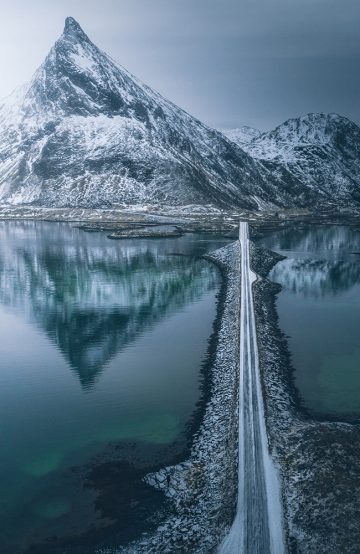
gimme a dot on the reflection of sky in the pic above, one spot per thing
(155, 376)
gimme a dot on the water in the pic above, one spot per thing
(319, 309)
(103, 343)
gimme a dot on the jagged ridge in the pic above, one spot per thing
(321, 152)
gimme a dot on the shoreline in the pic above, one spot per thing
(172, 215)
(318, 460)
(108, 463)
(203, 488)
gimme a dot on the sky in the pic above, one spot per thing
(227, 62)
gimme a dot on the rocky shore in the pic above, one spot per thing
(152, 231)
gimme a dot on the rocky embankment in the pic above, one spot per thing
(319, 461)
(152, 231)
(202, 490)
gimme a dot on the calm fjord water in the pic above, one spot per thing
(319, 309)
(101, 354)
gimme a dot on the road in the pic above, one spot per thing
(257, 527)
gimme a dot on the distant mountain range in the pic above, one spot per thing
(86, 133)
(322, 151)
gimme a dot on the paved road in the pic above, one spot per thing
(257, 527)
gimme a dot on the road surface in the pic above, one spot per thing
(257, 527)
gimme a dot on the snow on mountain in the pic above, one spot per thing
(241, 135)
(320, 151)
(85, 132)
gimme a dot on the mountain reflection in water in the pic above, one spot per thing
(319, 310)
(307, 241)
(316, 278)
(129, 321)
(93, 301)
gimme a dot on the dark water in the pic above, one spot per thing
(319, 308)
(102, 345)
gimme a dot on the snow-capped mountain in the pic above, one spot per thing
(319, 151)
(85, 132)
(241, 135)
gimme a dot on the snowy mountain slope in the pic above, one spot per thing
(85, 132)
(241, 135)
(319, 151)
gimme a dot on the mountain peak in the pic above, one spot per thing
(76, 78)
(73, 29)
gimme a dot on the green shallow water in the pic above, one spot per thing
(101, 354)
(319, 310)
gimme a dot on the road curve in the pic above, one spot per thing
(257, 527)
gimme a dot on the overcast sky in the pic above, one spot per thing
(228, 62)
